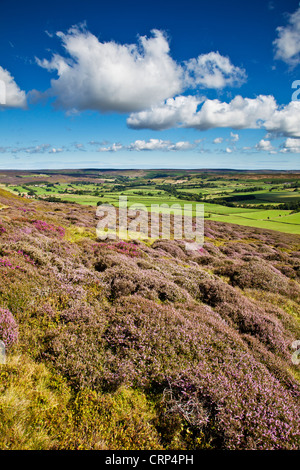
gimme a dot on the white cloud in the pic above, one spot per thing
(291, 145)
(158, 144)
(11, 96)
(174, 112)
(106, 76)
(264, 145)
(36, 149)
(151, 144)
(112, 148)
(182, 146)
(228, 150)
(234, 137)
(79, 146)
(285, 120)
(42, 148)
(218, 140)
(55, 150)
(213, 70)
(261, 112)
(287, 44)
(240, 113)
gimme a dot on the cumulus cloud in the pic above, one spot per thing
(175, 111)
(291, 145)
(213, 70)
(106, 76)
(264, 145)
(285, 120)
(182, 146)
(261, 112)
(11, 96)
(152, 144)
(287, 43)
(158, 144)
(218, 140)
(240, 113)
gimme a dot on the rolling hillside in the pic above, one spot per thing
(127, 345)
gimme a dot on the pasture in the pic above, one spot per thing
(261, 200)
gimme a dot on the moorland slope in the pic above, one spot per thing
(117, 345)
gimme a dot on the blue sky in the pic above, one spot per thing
(160, 84)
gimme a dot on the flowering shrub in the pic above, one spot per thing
(26, 257)
(127, 248)
(244, 408)
(244, 315)
(148, 283)
(150, 346)
(8, 327)
(6, 263)
(215, 372)
(43, 226)
(172, 248)
(25, 210)
(259, 275)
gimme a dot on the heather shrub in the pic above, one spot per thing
(249, 319)
(149, 283)
(48, 229)
(243, 315)
(170, 247)
(80, 312)
(243, 407)
(149, 343)
(287, 270)
(189, 280)
(8, 328)
(145, 264)
(236, 250)
(278, 367)
(259, 275)
(28, 246)
(212, 249)
(110, 260)
(127, 248)
(76, 351)
(204, 259)
(214, 292)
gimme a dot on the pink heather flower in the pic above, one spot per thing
(8, 327)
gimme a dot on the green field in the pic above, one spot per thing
(266, 224)
(256, 200)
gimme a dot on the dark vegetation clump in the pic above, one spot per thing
(133, 345)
